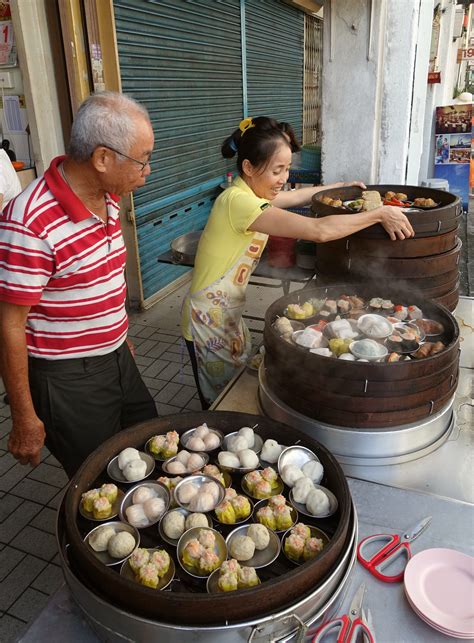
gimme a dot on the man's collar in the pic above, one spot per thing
(70, 202)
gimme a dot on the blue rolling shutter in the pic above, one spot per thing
(275, 59)
(182, 60)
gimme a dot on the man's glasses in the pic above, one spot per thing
(142, 164)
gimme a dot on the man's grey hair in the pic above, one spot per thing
(106, 118)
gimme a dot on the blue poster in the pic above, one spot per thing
(457, 175)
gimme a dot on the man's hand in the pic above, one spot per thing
(395, 223)
(26, 440)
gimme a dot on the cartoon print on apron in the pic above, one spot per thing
(221, 338)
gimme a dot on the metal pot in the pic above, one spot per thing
(114, 625)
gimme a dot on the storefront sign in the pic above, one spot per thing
(465, 54)
(434, 77)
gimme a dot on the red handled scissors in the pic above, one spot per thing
(350, 625)
(394, 547)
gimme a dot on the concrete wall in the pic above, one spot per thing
(374, 89)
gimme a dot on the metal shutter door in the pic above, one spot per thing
(182, 59)
(275, 56)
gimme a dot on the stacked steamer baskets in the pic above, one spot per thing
(350, 373)
(426, 265)
(299, 579)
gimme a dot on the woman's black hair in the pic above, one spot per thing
(259, 143)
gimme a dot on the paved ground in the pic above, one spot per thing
(29, 571)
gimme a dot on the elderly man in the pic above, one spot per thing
(68, 371)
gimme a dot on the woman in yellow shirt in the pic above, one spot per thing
(235, 236)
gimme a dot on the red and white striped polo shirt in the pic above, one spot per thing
(68, 265)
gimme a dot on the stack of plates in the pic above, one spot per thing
(439, 584)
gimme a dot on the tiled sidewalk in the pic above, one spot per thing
(29, 570)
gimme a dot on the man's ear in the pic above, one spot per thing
(101, 159)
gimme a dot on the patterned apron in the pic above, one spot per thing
(221, 338)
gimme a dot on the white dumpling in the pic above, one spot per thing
(242, 548)
(260, 536)
(211, 441)
(196, 520)
(174, 524)
(176, 467)
(201, 431)
(136, 516)
(271, 451)
(121, 545)
(314, 470)
(228, 459)
(127, 455)
(248, 458)
(154, 508)
(195, 462)
(134, 470)
(183, 456)
(187, 492)
(317, 503)
(247, 433)
(142, 494)
(212, 488)
(202, 502)
(301, 489)
(237, 443)
(196, 444)
(100, 538)
(290, 474)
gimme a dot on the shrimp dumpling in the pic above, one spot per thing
(237, 443)
(290, 474)
(183, 457)
(301, 489)
(187, 492)
(142, 494)
(202, 502)
(313, 470)
(154, 507)
(271, 451)
(201, 431)
(317, 503)
(248, 458)
(211, 441)
(248, 434)
(176, 467)
(136, 516)
(126, 456)
(196, 444)
(195, 462)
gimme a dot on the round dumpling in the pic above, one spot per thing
(100, 538)
(271, 451)
(237, 443)
(242, 548)
(174, 524)
(247, 433)
(153, 508)
(290, 474)
(121, 545)
(187, 492)
(248, 458)
(176, 467)
(212, 488)
(201, 431)
(211, 441)
(196, 520)
(228, 459)
(134, 470)
(314, 470)
(260, 536)
(301, 489)
(196, 444)
(317, 503)
(202, 502)
(127, 455)
(183, 457)
(142, 494)
(195, 462)
(136, 516)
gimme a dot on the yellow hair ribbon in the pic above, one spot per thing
(246, 124)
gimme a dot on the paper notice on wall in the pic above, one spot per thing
(13, 118)
(7, 44)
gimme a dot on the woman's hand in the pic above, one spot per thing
(395, 223)
(350, 184)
